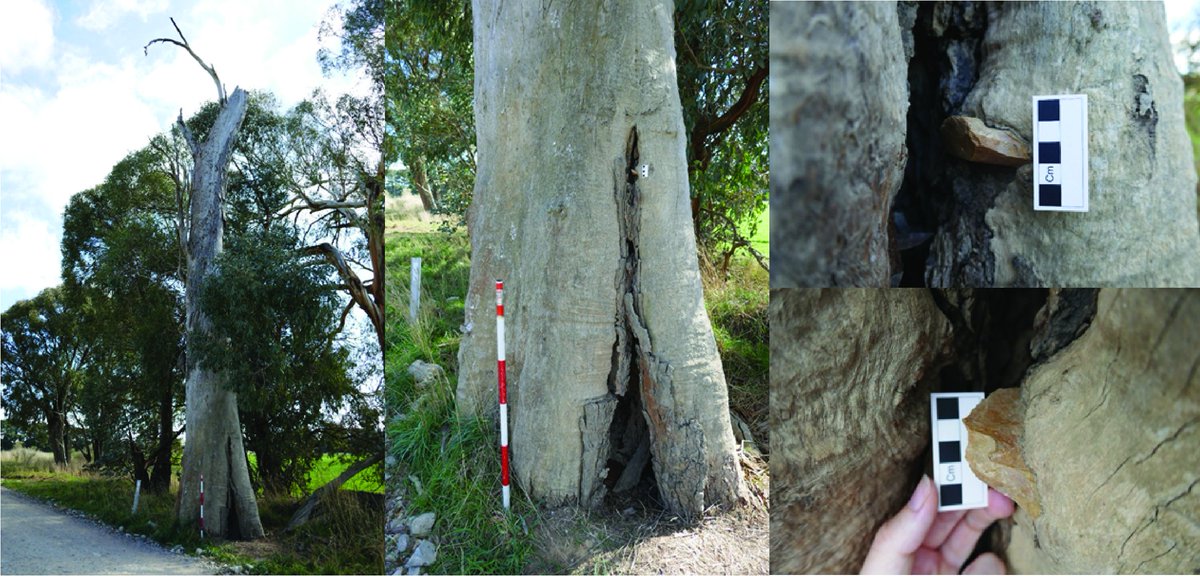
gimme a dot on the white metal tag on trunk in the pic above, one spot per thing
(1060, 153)
(957, 486)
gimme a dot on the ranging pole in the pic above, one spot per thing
(503, 393)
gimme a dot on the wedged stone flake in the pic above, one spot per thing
(972, 140)
(994, 431)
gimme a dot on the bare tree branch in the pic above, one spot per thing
(207, 68)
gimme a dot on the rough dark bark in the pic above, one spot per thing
(581, 207)
(56, 427)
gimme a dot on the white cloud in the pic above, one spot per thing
(93, 102)
(34, 264)
(26, 36)
(104, 13)
(62, 143)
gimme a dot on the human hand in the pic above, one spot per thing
(920, 540)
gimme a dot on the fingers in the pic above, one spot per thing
(999, 505)
(945, 522)
(961, 541)
(897, 541)
(986, 563)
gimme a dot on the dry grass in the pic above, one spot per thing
(21, 461)
(405, 214)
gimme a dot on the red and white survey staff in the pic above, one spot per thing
(503, 393)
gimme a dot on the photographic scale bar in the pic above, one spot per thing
(1060, 153)
(958, 488)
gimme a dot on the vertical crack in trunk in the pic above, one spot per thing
(937, 220)
(628, 438)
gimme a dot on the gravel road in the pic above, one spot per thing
(38, 539)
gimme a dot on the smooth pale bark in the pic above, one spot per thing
(1141, 178)
(214, 434)
(603, 293)
(1111, 437)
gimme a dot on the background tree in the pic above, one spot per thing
(721, 51)
(123, 269)
(43, 358)
(569, 108)
(429, 83)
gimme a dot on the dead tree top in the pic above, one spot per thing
(183, 43)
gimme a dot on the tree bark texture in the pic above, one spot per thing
(839, 94)
(1141, 176)
(1106, 420)
(850, 383)
(214, 435)
(855, 203)
(1112, 436)
(581, 207)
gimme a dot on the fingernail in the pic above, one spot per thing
(920, 494)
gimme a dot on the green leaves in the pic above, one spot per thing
(274, 316)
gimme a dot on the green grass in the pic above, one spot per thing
(346, 538)
(1191, 115)
(737, 308)
(450, 466)
(761, 239)
(331, 465)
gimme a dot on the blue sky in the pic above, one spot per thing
(77, 94)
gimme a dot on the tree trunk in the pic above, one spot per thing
(213, 446)
(1142, 180)
(851, 372)
(581, 207)
(56, 426)
(863, 194)
(839, 93)
(420, 182)
(1107, 413)
(160, 475)
(1111, 437)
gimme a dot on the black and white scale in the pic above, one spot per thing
(1060, 153)
(957, 486)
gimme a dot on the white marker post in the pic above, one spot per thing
(1060, 153)
(137, 490)
(503, 393)
(202, 506)
(957, 486)
(414, 297)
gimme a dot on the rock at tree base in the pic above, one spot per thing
(994, 431)
(420, 526)
(423, 555)
(423, 372)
